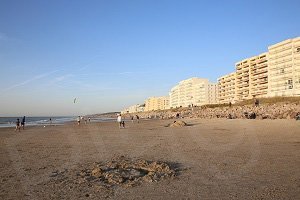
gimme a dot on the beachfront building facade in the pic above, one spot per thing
(270, 74)
(157, 103)
(212, 93)
(252, 77)
(226, 88)
(134, 109)
(193, 92)
(242, 83)
(259, 76)
(284, 68)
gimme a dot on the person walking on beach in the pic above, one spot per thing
(18, 128)
(132, 119)
(78, 120)
(89, 119)
(50, 120)
(137, 119)
(23, 123)
(119, 120)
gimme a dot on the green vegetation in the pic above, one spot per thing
(270, 100)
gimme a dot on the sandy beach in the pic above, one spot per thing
(214, 159)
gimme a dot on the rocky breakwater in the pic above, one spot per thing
(280, 110)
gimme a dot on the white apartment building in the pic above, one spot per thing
(133, 109)
(226, 88)
(284, 68)
(193, 91)
(157, 103)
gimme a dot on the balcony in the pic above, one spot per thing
(261, 60)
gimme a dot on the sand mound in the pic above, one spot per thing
(178, 123)
(121, 171)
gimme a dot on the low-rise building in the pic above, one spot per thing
(134, 109)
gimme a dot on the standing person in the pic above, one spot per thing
(23, 123)
(132, 119)
(78, 120)
(89, 119)
(256, 103)
(18, 128)
(50, 120)
(119, 120)
(123, 124)
(138, 119)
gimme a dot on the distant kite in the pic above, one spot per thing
(74, 100)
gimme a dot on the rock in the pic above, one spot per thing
(97, 172)
(178, 123)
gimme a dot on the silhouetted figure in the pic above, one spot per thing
(230, 104)
(138, 119)
(23, 123)
(18, 128)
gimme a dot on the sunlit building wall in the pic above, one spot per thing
(157, 103)
(193, 92)
(284, 68)
(226, 88)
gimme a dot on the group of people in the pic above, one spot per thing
(20, 124)
(79, 119)
(122, 122)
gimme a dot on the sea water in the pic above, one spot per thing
(35, 121)
(44, 121)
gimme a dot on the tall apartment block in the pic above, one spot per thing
(242, 79)
(284, 68)
(157, 103)
(252, 77)
(212, 93)
(193, 91)
(226, 88)
(259, 76)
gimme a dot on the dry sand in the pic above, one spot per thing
(214, 159)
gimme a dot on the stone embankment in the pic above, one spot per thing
(263, 111)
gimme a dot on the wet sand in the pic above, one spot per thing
(217, 159)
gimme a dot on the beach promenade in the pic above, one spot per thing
(214, 159)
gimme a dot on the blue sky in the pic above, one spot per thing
(112, 54)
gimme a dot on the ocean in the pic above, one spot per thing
(44, 121)
(35, 121)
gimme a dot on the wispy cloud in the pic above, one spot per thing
(112, 73)
(37, 77)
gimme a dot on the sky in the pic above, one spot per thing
(115, 53)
